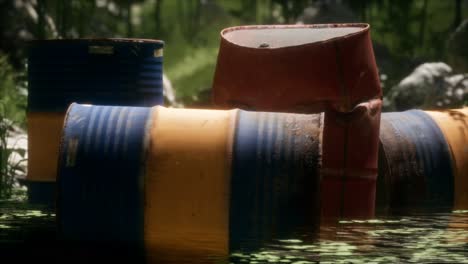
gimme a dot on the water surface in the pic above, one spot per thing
(425, 236)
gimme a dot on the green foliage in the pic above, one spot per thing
(12, 110)
(12, 93)
(412, 31)
(8, 166)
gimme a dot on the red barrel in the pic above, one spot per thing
(295, 68)
(310, 69)
(349, 161)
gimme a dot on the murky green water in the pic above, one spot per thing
(435, 237)
(438, 236)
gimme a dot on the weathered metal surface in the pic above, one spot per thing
(195, 180)
(187, 182)
(295, 68)
(274, 181)
(99, 71)
(100, 175)
(349, 161)
(454, 126)
(44, 131)
(418, 167)
(311, 69)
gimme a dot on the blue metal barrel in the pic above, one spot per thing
(275, 179)
(100, 180)
(99, 71)
(415, 163)
(125, 72)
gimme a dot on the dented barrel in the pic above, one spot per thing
(349, 162)
(454, 126)
(326, 68)
(198, 181)
(417, 167)
(101, 71)
(295, 68)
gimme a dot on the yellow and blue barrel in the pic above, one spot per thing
(454, 126)
(100, 71)
(415, 163)
(194, 181)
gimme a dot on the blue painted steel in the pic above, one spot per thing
(100, 176)
(416, 153)
(98, 71)
(42, 193)
(274, 180)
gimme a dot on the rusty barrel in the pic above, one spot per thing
(349, 162)
(454, 126)
(101, 71)
(310, 69)
(295, 68)
(416, 165)
(198, 182)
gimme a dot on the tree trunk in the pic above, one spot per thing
(129, 19)
(157, 17)
(458, 14)
(422, 26)
(41, 25)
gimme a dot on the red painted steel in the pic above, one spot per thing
(349, 161)
(310, 69)
(296, 78)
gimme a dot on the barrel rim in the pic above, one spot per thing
(365, 28)
(91, 40)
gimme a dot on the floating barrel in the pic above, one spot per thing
(454, 126)
(275, 177)
(196, 181)
(310, 69)
(416, 167)
(101, 71)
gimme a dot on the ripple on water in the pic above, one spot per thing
(440, 237)
(418, 238)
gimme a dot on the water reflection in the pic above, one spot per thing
(437, 235)
(422, 237)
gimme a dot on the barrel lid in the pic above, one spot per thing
(281, 36)
(110, 40)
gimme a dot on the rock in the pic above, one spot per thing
(17, 141)
(429, 86)
(457, 48)
(169, 93)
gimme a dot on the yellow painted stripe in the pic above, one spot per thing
(44, 131)
(187, 181)
(454, 125)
